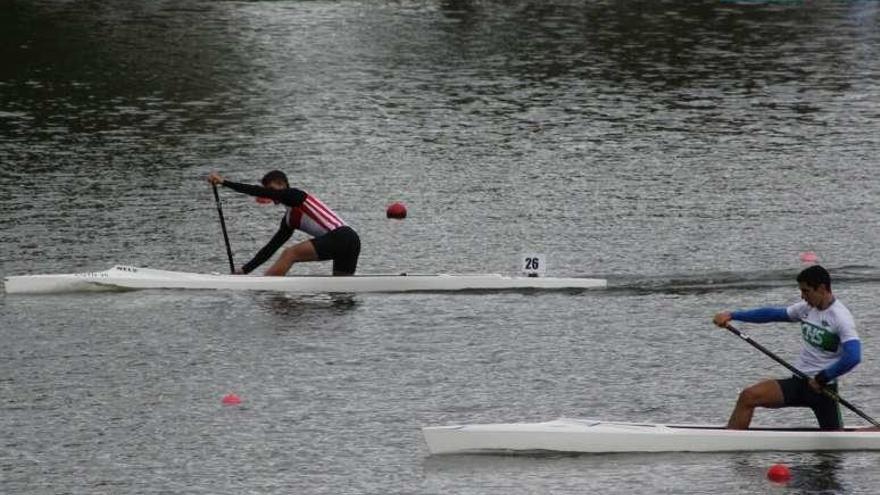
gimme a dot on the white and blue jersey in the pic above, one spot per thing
(824, 332)
(831, 344)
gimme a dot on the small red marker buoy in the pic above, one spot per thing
(779, 473)
(231, 400)
(809, 257)
(396, 210)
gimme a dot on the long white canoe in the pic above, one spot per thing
(131, 278)
(592, 436)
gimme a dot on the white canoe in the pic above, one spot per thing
(592, 436)
(131, 278)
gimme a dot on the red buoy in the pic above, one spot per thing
(396, 210)
(779, 473)
(231, 400)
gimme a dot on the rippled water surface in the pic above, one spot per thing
(687, 151)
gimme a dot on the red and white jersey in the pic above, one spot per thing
(313, 217)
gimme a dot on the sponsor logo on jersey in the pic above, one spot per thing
(820, 336)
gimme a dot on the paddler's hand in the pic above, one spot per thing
(722, 319)
(215, 178)
(818, 382)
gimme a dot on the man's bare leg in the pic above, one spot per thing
(763, 394)
(304, 251)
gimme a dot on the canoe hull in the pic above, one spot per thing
(590, 436)
(134, 278)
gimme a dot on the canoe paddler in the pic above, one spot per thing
(332, 238)
(831, 348)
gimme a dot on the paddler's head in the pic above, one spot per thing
(815, 285)
(274, 180)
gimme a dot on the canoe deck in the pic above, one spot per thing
(134, 278)
(593, 436)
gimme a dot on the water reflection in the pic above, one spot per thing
(117, 70)
(818, 475)
(302, 308)
(810, 472)
(667, 43)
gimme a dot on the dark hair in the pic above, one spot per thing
(815, 276)
(275, 176)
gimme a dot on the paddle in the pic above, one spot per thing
(223, 226)
(801, 374)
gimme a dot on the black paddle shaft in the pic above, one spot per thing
(223, 227)
(801, 374)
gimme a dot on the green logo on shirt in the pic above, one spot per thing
(820, 337)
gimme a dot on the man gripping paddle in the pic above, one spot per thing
(333, 239)
(831, 349)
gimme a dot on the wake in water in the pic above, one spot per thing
(719, 281)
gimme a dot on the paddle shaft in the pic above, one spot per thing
(223, 227)
(801, 374)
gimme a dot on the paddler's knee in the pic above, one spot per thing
(750, 396)
(293, 250)
(764, 394)
(299, 252)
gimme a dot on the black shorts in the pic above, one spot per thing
(796, 392)
(343, 246)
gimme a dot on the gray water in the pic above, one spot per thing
(687, 151)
